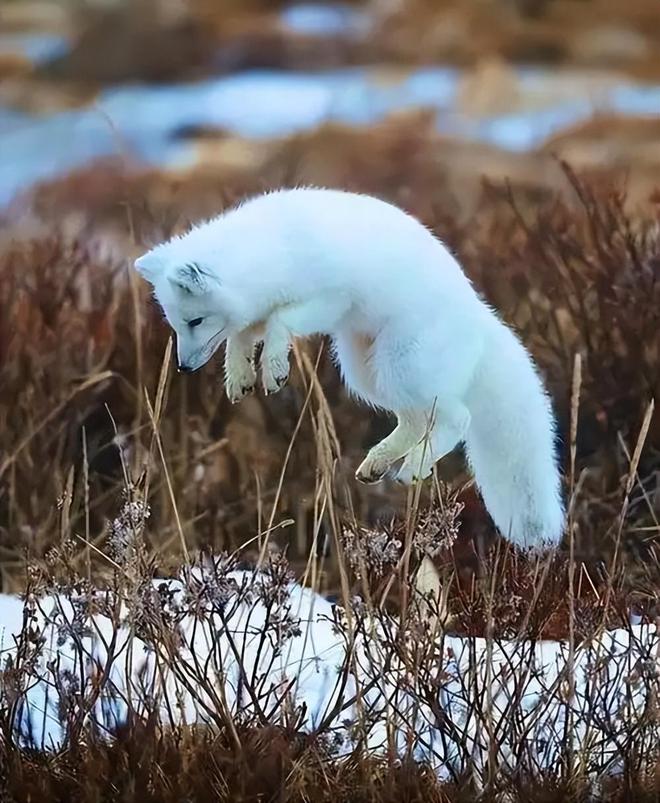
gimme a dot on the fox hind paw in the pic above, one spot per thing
(408, 477)
(369, 476)
(413, 471)
(375, 468)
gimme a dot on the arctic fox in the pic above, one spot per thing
(409, 332)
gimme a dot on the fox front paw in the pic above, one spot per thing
(274, 373)
(240, 381)
(237, 393)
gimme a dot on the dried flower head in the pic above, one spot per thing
(69, 692)
(437, 528)
(285, 625)
(211, 587)
(370, 550)
(151, 614)
(75, 627)
(125, 537)
(274, 583)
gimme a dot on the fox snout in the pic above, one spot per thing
(188, 361)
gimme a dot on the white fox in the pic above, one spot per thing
(410, 335)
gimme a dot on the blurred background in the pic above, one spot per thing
(220, 83)
(526, 133)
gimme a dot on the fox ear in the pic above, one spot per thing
(190, 279)
(148, 265)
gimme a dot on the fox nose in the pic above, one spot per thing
(184, 368)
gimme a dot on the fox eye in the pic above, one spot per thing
(195, 322)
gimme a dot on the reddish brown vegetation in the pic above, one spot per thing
(575, 273)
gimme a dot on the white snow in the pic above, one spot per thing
(306, 667)
(142, 120)
(323, 19)
(472, 699)
(37, 48)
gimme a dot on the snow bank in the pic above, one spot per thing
(454, 702)
(231, 652)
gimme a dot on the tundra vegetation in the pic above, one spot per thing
(114, 470)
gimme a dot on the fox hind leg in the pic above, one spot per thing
(448, 428)
(410, 429)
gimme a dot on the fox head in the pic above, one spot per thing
(191, 298)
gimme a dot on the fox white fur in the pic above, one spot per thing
(410, 336)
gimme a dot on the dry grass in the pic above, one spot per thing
(152, 40)
(80, 341)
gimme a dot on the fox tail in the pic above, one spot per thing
(510, 445)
